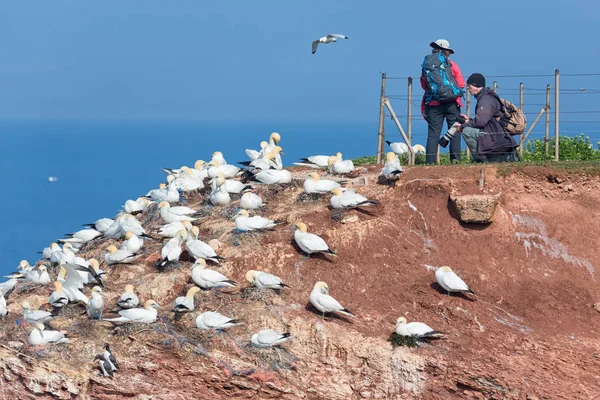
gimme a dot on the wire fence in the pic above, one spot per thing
(579, 101)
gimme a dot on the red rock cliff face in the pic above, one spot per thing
(531, 333)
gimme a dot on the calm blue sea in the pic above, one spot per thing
(99, 165)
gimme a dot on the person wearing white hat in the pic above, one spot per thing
(442, 98)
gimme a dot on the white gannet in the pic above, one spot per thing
(40, 276)
(208, 278)
(47, 252)
(145, 315)
(250, 201)
(337, 165)
(419, 149)
(392, 168)
(128, 298)
(136, 206)
(184, 304)
(213, 320)
(132, 243)
(3, 310)
(416, 330)
(96, 304)
(25, 267)
(189, 180)
(170, 230)
(263, 280)
(274, 139)
(269, 338)
(173, 214)
(198, 170)
(228, 170)
(114, 230)
(349, 199)
(115, 256)
(254, 154)
(172, 250)
(267, 161)
(309, 242)
(271, 176)
(128, 223)
(320, 298)
(100, 225)
(398, 148)
(7, 286)
(199, 249)
(83, 235)
(72, 284)
(219, 196)
(231, 185)
(316, 162)
(90, 273)
(66, 254)
(165, 192)
(317, 185)
(40, 336)
(330, 38)
(451, 282)
(36, 316)
(218, 158)
(244, 222)
(58, 298)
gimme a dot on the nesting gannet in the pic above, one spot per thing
(392, 168)
(232, 186)
(109, 356)
(3, 310)
(309, 242)
(263, 280)
(116, 256)
(40, 336)
(228, 170)
(128, 223)
(208, 278)
(96, 304)
(254, 154)
(114, 230)
(47, 251)
(330, 38)
(263, 163)
(220, 196)
(90, 273)
(218, 158)
(128, 298)
(72, 284)
(105, 365)
(213, 320)
(58, 298)
(251, 201)
(40, 276)
(132, 243)
(172, 250)
(419, 149)
(317, 185)
(173, 214)
(349, 199)
(165, 192)
(244, 222)
(337, 165)
(100, 225)
(136, 206)
(269, 338)
(451, 282)
(189, 180)
(317, 162)
(320, 298)
(7, 286)
(398, 148)
(25, 267)
(36, 316)
(198, 170)
(170, 230)
(145, 315)
(184, 304)
(416, 330)
(274, 139)
(85, 235)
(269, 177)
(66, 254)
(199, 249)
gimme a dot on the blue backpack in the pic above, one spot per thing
(441, 84)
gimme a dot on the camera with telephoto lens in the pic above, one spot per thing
(444, 140)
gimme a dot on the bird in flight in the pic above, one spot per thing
(332, 37)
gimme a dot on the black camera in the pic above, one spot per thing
(444, 140)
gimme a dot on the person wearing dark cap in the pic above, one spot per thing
(483, 133)
(438, 105)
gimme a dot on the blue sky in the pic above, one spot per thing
(251, 60)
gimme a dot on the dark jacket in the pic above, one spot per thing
(487, 111)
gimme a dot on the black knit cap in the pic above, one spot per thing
(476, 80)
